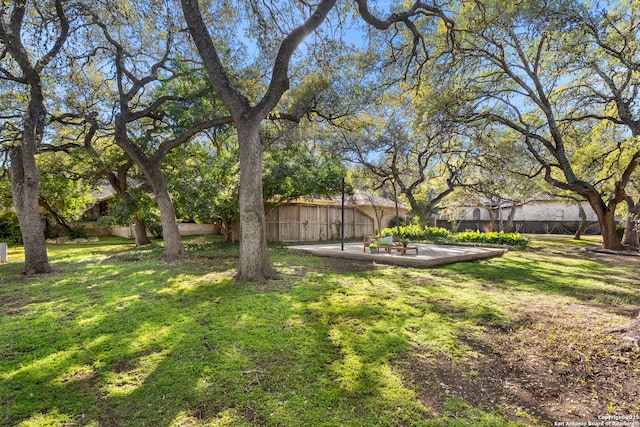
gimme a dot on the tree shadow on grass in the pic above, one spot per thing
(138, 346)
(589, 285)
(185, 344)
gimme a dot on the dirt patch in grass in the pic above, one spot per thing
(598, 254)
(564, 366)
(485, 383)
(626, 258)
(11, 306)
(340, 265)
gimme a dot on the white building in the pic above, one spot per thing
(539, 215)
(533, 210)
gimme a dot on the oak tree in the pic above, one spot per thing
(25, 58)
(140, 65)
(514, 71)
(286, 31)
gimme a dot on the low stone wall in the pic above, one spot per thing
(191, 229)
(185, 229)
(126, 232)
(64, 240)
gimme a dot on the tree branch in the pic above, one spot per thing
(417, 9)
(280, 73)
(228, 93)
(60, 40)
(169, 145)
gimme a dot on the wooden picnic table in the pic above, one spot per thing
(379, 241)
(402, 249)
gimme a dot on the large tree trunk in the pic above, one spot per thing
(584, 224)
(424, 215)
(608, 230)
(140, 233)
(151, 168)
(25, 183)
(630, 239)
(606, 219)
(254, 260)
(512, 213)
(25, 186)
(492, 220)
(227, 230)
(173, 247)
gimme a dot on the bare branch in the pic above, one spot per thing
(60, 40)
(418, 9)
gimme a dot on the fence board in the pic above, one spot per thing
(312, 223)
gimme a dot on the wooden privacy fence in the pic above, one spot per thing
(313, 223)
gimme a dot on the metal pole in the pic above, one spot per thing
(342, 230)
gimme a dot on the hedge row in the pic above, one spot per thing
(493, 238)
(442, 235)
(416, 233)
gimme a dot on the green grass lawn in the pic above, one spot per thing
(117, 337)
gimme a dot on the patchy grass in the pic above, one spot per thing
(547, 241)
(116, 336)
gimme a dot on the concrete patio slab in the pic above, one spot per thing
(429, 255)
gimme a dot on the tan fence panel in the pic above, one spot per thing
(313, 223)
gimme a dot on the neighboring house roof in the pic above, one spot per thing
(363, 198)
(105, 191)
(102, 193)
(358, 198)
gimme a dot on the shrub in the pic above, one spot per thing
(416, 233)
(52, 229)
(77, 232)
(394, 222)
(492, 238)
(438, 234)
(10, 228)
(155, 228)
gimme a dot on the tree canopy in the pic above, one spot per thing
(540, 71)
(232, 103)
